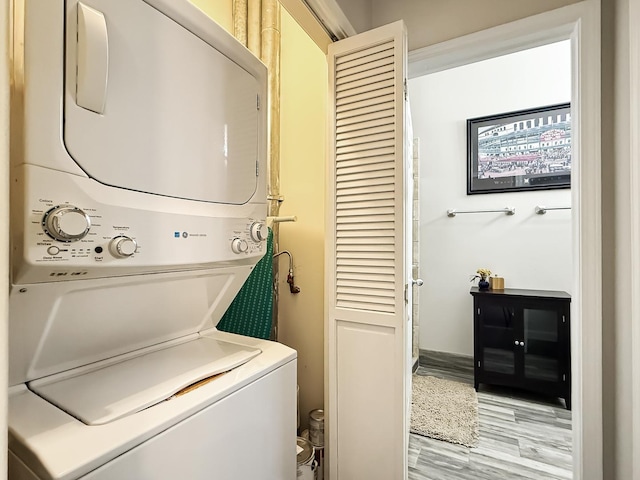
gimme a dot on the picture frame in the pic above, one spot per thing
(520, 151)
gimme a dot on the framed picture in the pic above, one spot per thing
(519, 151)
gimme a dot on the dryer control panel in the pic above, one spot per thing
(70, 235)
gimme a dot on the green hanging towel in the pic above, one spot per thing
(250, 313)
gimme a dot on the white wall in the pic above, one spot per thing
(528, 250)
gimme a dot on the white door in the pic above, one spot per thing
(367, 362)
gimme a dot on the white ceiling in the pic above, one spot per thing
(359, 13)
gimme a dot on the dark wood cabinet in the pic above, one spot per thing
(522, 339)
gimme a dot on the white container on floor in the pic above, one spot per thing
(307, 466)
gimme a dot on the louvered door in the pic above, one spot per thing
(367, 367)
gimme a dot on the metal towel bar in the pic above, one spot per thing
(507, 211)
(541, 209)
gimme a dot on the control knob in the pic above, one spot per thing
(123, 247)
(259, 232)
(238, 245)
(66, 223)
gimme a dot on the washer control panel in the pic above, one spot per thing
(83, 239)
(70, 226)
(66, 223)
(123, 246)
(76, 237)
(259, 232)
(249, 240)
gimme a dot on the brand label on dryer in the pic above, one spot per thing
(188, 234)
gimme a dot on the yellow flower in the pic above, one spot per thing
(484, 272)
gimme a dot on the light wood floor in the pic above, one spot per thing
(522, 436)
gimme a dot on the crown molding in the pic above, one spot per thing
(332, 18)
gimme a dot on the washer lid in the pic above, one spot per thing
(104, 394)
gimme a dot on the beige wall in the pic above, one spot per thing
(303, 16)
(433, 21)
(220, 10)
(302, 156)
(4, 227)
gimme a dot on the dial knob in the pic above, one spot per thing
(66, 223)
(238, 245)
(259, 232)
(123, 247)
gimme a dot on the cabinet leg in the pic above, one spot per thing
(475, 385)
(567, 402)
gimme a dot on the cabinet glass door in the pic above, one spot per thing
(541, 347)
(498, 348)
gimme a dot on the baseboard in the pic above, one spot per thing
(434, 358)
(416, 364)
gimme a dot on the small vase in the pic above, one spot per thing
(483, 284)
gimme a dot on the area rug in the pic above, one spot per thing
(444, 410)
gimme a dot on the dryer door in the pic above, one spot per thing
(150, 106)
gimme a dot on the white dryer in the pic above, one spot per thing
(138, 206)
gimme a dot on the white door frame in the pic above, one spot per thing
(580, 23)
(634, 221)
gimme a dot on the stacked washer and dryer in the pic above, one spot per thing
(138, 207)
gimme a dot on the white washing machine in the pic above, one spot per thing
(138, 207)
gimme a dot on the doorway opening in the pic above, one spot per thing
(528, 250)
(577, 24)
